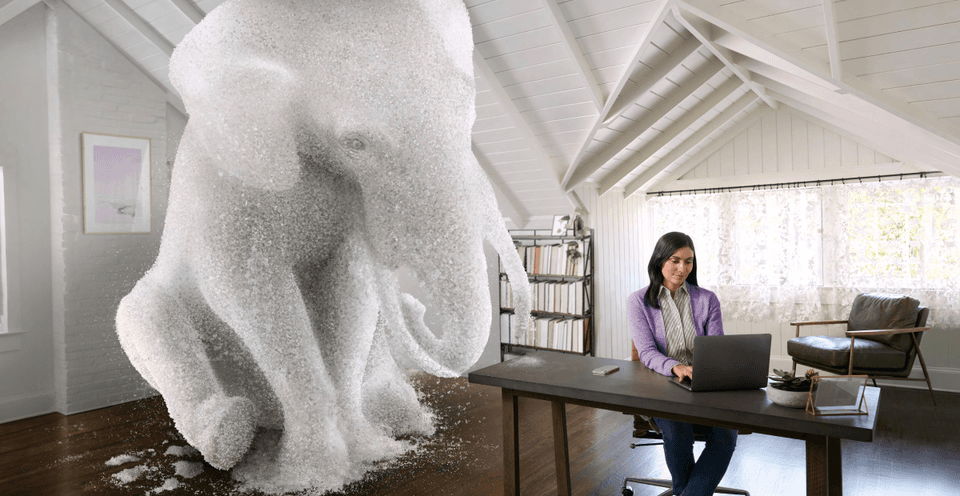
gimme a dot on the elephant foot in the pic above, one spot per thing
(228, 427)
(395, 406)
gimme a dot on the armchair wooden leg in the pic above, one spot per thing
(923, 365)
(850, 365)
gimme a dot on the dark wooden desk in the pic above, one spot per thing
(634, 389)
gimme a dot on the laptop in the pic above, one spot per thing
(722, 363)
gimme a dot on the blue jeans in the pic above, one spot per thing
(702, 477)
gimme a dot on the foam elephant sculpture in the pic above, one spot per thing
(328, 144)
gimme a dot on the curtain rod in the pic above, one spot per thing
(794, 184)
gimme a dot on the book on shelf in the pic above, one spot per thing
(556, 333)
(563, 260)
(552, 297)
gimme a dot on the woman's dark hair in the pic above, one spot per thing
(667, 245)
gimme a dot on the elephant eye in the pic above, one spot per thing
(355, 144)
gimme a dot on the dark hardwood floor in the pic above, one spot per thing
(915, 452)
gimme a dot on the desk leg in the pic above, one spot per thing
(834, 467)
(560, 448)
(817, 466)
(511, 444)
(824, 468)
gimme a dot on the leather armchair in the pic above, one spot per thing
(882, 340)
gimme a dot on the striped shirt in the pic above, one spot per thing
(678, 323)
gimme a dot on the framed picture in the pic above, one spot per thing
(837, 395)
(560, 224)
(116, 184)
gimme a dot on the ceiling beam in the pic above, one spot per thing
(503, 98)
(671, 133)
(703, 154)
(641, 181)
(124, 11)
(649, 119)
(189, 9)
(570, 45)
(759, 44)
(509, 205)
(630, 95)
(15, 8)
(705, 33)
(645, 41)
(833, 44)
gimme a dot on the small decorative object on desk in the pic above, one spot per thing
(838, 395)
(790, 391)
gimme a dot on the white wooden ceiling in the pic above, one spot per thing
(629, 95)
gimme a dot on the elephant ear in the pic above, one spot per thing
(242, 111)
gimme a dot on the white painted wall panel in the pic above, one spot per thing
(782, 143)
(620, 264)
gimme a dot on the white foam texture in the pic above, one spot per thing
(328, 145)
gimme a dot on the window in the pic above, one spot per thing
(781, 253)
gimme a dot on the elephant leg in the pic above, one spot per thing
(263, 304)
(341, 299)
(388, 398)
(165, 347)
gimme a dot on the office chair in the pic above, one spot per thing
(645, 428)
(882, 340)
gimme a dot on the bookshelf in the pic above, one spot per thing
(560, 272)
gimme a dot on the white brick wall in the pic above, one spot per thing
(99, 92)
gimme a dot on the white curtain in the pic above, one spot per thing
(804, 253)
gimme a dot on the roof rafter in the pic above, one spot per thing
(570, 45)
(833, 44)
(503, 98)
(123, 10)
(642, 45)
(648, 120)
(630, 95)
(189, 9)
(704, 32)
(762, 46)
(15, 8)
(649, 179)
(173, 97)
(671, 133)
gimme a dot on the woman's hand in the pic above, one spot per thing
(680, 370)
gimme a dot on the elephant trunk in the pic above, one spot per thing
(455, 274)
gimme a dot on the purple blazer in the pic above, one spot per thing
(646, 326)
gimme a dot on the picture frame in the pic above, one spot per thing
(560, 224)
(837, 395)
(116, 184)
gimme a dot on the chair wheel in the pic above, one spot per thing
(627, 491)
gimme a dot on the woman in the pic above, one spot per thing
(664, 318)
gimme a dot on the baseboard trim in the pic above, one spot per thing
(942, 378)
(26, 406)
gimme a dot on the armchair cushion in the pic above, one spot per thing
(880, 311)
(835, 352)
